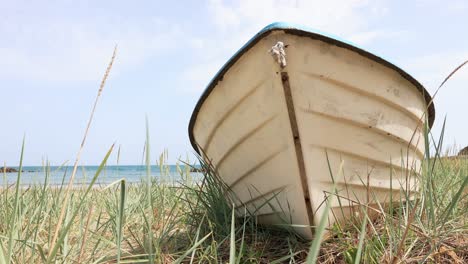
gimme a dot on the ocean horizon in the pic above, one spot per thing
(57, 175)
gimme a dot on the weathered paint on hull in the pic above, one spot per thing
(275, 134)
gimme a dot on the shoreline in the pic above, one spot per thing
(83, 186)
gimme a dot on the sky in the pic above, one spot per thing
(53, 55)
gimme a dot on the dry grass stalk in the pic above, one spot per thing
(83, 243)
(78, 156)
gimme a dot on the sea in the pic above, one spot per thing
(57, 175)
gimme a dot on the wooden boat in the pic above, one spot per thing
(293, 106)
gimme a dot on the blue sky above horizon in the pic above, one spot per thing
(54, 53)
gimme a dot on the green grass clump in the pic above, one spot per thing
(190, 221)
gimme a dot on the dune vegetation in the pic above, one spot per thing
(193, 221)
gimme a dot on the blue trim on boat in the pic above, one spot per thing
(286, 25)
(300, 30)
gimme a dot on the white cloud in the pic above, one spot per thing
(71, 50)
(335, 16)
(224, 17)
(367, 37)
(237, 22)
(457, 7)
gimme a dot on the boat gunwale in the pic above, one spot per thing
(302, 32)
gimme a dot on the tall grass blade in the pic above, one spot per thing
(78, 155)
(120, 219)
(320, 229)
(149, 195)
(196, 239)
(319, 232)
(85, 234)
(12, 223)
(232, 251)
(241, 248)
(362, 235)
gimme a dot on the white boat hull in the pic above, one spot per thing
(277, 135)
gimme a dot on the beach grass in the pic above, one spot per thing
(186, 221)
(191, 222)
